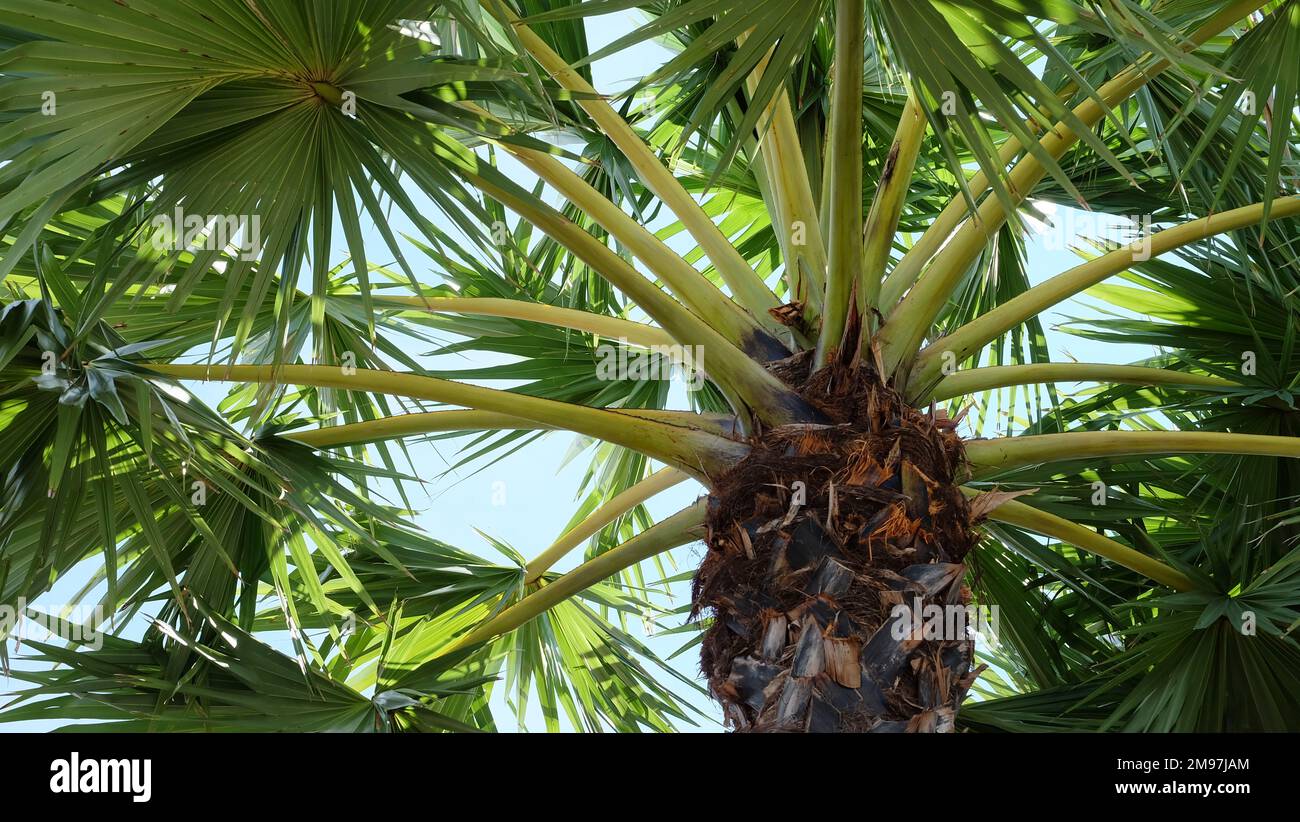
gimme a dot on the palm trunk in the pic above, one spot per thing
(826, 545)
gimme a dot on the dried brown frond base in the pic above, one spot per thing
(825, 545)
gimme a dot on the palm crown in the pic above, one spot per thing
(200, 191)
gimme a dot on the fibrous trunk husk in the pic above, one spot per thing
(821, 544)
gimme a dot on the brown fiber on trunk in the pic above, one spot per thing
(807, 633)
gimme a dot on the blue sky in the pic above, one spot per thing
(539, 488)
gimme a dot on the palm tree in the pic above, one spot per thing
(821, 209)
